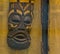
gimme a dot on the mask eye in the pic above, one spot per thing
(14, 19)
(27, 20)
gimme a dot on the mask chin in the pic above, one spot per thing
(19, 40)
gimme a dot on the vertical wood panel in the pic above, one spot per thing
(54, 27)
(35, 47)
(36, 32)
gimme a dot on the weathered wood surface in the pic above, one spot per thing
(54, 27)
(35, 47)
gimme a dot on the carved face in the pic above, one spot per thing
(19, 25)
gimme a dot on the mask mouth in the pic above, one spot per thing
(19, 40)
(20, 37)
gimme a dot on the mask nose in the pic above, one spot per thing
(21, 27)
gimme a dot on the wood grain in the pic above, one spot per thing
(35, 47)
(54, 27)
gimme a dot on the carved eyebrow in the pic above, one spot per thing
(19, 11)
(11, 11)
(27, 12)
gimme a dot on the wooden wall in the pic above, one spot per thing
(54, 27)
(35, 47)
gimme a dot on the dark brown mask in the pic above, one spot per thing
(19, 25)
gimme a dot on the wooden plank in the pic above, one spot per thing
(35, 47)
(3, 46)
(36, 33)
(54, 27)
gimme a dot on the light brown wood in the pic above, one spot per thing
(35, 47)
(54, 27)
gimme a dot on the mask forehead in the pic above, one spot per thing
(21, 5)
(26, 6)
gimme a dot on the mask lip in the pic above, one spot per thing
(26, 36)
(20, 37)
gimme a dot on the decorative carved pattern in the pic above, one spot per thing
(19, 25)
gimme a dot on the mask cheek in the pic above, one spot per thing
(12, 25)
(28, 28)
